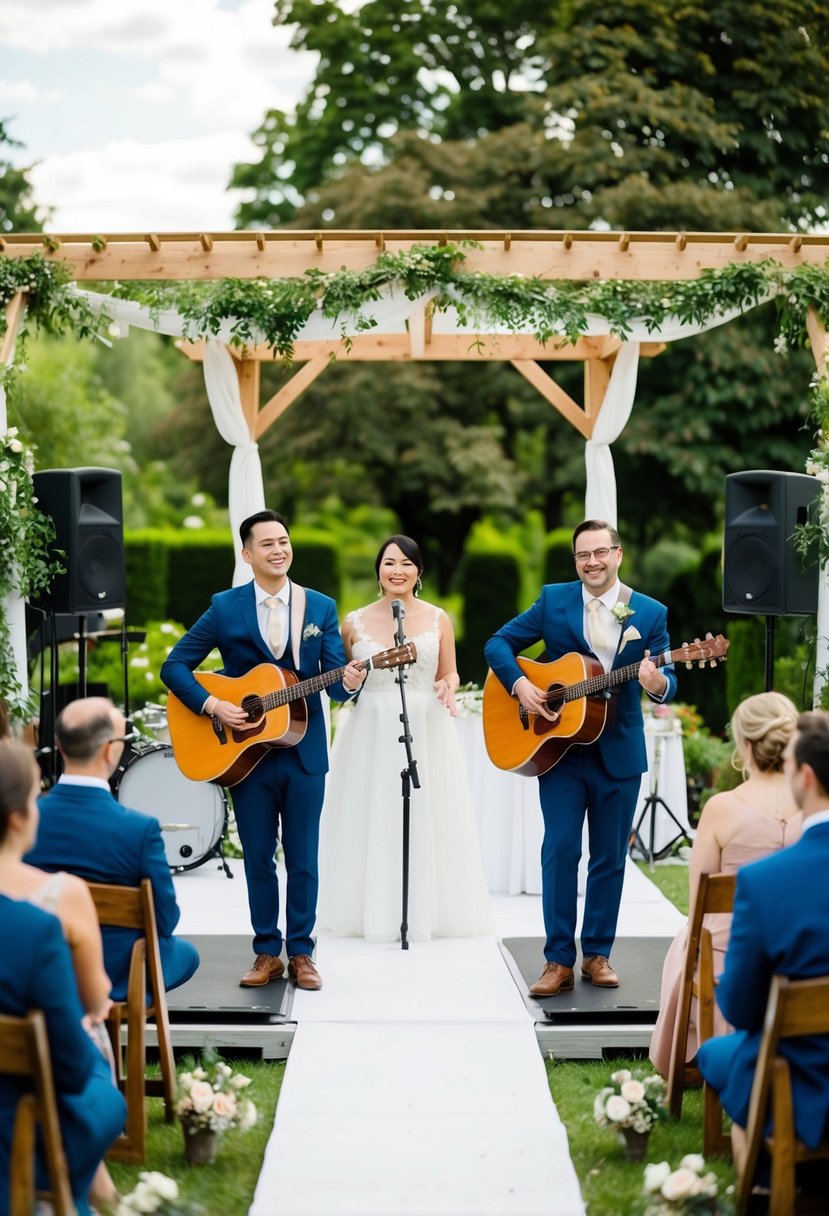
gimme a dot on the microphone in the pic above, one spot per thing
(398, 611)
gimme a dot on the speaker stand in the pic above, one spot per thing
(770, 620)
(653, 801)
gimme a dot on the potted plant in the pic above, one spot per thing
(630, 1104)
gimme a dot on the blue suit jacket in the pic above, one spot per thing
(36, 973)
(231, 626)
(86, 831)
(780, 927)
(557, 619)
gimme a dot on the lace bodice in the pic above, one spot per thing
(421, 674)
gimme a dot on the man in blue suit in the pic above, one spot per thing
(272, 619)
(601, 778)
(781, 915)
(36, 973)
(85, 830)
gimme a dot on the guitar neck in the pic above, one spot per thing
(610, 679)
(293, 692)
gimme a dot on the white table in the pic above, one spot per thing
(508, 811)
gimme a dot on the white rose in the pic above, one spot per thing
(240, 1081)
(201, 1095)
(621, 1076)
(224, 1105)
(693, 1161)
(655, 1176)
(249, 1115)
(143, 1198)
(633, 1091)
(681, 1184)
(617, 1109)
(164, 1187)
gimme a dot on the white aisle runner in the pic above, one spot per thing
(414, 1082)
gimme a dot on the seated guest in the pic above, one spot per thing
(737, 826)
(781, 911)
(37, 973)
(85, 830)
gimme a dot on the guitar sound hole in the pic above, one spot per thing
(253, 708)
(555, 698)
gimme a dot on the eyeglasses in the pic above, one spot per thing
(599, 554)
(130, 738)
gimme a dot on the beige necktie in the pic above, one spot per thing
(276, 633)
(599, 638)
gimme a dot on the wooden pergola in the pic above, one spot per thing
(547, 255)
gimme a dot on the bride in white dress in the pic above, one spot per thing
(361, 843)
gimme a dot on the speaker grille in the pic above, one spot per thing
(100, 565)
(751, 570)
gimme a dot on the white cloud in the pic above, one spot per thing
(127, 186)
(180, 80)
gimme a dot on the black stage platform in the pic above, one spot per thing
(588, 1022)
(214, 995)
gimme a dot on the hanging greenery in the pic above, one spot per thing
(52, 302)
(274, 310)
(28, 565)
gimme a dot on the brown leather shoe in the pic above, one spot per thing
(267, 967)
(555, 978)
(303, 972)
(595, 967)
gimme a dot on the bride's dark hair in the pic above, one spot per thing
(407, 546)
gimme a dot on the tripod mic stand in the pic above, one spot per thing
(653, 801)
(408, 776)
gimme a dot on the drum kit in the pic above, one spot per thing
(193, 814)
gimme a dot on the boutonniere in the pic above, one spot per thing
(311, 631)
(620, 612)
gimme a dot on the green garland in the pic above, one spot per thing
(274, 310)
(28, 565)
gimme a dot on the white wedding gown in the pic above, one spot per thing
(362, 833)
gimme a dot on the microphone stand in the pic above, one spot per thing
(408, 776)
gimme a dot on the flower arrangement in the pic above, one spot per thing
(156, 1193)
(630, 1100)
(687, 1189)
(209, 1097)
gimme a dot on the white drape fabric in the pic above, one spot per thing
(246, 491)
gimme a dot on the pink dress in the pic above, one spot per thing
(756, 836)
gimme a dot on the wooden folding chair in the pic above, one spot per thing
(795, 1008)
(133, 908)
(715, 893)
(24, 1052)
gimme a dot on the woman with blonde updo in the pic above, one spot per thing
(737, 826)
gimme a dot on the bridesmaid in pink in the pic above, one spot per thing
(737, 826)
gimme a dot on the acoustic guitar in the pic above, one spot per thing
(273, 698)
(577, 688)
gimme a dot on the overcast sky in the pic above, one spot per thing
(135, 111)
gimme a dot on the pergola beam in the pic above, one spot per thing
(286, 253)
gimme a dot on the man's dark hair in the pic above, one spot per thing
(597, 525)
(83, 741)
(812, 745)
(261, 517)
(407, 546)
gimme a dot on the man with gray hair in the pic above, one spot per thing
(86, 831)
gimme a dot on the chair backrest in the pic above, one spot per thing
(132, 908)
(795, 1008)
(715, 893)
(24, 1052)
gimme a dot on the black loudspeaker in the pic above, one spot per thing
(762, 570)
(85, 505)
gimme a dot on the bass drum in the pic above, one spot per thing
(193, 814)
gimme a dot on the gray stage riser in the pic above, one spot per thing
(589, 1042)
(273, 1041)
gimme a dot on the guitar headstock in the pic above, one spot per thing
(711, 651)
(399, 656)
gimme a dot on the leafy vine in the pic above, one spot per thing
(28, 565)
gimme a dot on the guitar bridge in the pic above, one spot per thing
(524, 717)
(219, 729)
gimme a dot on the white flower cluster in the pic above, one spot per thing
(630, 1101)
(682, 1190)
(9, 469)
(154, 1192)
(209, 1097)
